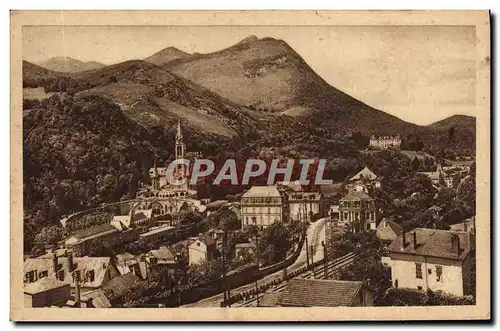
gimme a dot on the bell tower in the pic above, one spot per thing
(180, 152)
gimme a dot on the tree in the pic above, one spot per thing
(50, 235)
(275, 242)
(466, 194)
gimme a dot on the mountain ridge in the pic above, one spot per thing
(69, 64)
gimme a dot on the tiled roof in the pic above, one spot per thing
(269, 299)
(142, 214)
(431, 242)
(262, 191)
(120, 285)
(163, 254)
(365, 173)
(42, 285)
(94, 231)
(356, 195)
(100, 266)
(388, 230)
(319, 293)
(99, 299)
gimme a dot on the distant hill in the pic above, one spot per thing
(155, 97)
(68, 64)
(463, 121)
(166, 55)
(269, 76)
(31, 70)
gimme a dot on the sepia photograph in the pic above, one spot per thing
(221, 160)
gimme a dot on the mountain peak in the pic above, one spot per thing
(166, 55)
(249, 39)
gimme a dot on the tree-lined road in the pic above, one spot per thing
(315, 234)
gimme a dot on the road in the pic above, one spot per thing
(315, 234)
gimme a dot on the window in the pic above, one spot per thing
(44, 273)
(91, 275)
(418, 270)
(419, 288)
(429, 271)
(31, 276)
(439, 273)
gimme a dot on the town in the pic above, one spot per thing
(399, 232)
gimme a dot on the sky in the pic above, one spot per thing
(420, 74)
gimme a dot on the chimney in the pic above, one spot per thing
(55, 262)
(455, 243)
(70, 262)
(404, 238)
(76, 279)
(415, 239)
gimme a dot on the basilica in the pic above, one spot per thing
(161, 186)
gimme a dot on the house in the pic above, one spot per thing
(432, 259)
(303, 205)
(157, 233)
(104, 232)
(469, 225)
(117, 287)
(93, 272)
(334, 213)
(364, 180)
(262, 206)
(302, 292)
(218, 236)
(385, 142)
(46, 292)
(201, 248)
(163, 257)
(445, 177)
(294, 186)
(129, 263)
(388, 230)
(357, 211)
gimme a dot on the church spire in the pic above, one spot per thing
(178, 136)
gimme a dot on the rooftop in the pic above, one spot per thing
(120, 285)
(156, 230)
(431, 242)
(319, 293)
(262, 191)
(99, 264)
(99, 299)
(163, 254)
(356, 195)
(386, 224)
(95, 231)
(42, 285)
(365, 173)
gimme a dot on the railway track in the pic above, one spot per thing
(318, 272)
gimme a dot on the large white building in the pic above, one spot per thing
(385, 141)
(303, 205)
(432, 259)
(262, 206)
